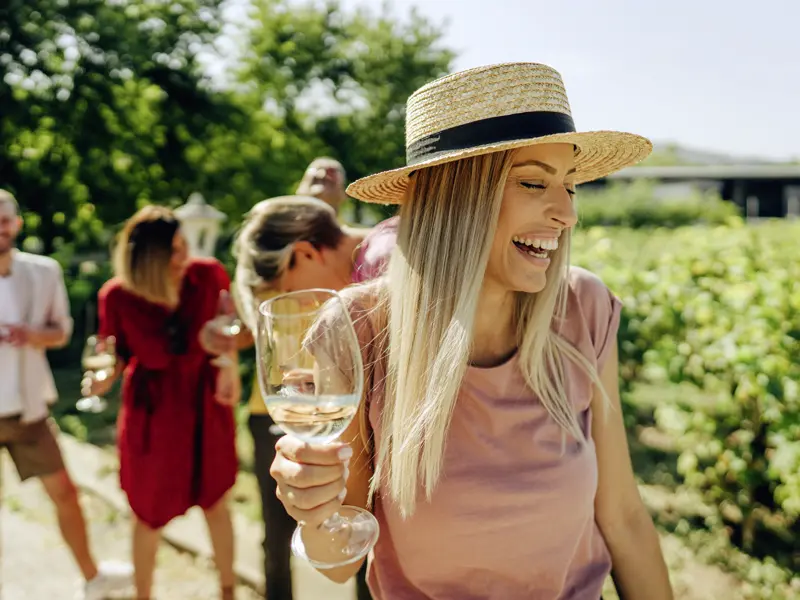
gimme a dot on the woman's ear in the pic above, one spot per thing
(305, 251)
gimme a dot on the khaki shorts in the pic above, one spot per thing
(32, 446)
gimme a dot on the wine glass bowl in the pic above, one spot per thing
(310, 373)
(99, 362)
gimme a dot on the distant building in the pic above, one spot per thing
(760, 190)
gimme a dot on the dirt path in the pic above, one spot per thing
(37, 566)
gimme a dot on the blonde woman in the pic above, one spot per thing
(175, 428)
(491, 447)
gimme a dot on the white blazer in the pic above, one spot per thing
(42, 296)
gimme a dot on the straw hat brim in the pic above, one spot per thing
(599, 154)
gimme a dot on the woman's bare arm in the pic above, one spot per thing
(638, 570)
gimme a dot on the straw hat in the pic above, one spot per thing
(493, 108)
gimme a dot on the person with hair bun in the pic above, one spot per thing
(284, 244)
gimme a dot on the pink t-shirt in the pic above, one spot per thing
(375, 250)
(511, 518)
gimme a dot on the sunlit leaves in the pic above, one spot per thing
(717, 307)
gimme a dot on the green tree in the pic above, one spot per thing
(341, 79)
(105, 107)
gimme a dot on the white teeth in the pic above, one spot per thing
(548, 244)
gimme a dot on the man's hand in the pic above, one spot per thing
(24, 335)
(18, 335)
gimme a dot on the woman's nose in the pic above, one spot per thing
(563, 209)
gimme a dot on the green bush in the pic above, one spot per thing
(635, 205)
(718, 308)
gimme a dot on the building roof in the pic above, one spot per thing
(752, 171)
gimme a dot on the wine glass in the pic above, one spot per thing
(227, 323)
(99, 362)
(311, 377)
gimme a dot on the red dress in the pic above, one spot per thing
(176, 442)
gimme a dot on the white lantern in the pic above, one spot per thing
(200, 224)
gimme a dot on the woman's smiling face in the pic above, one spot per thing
(537, 207)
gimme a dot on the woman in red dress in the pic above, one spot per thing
(176, 426)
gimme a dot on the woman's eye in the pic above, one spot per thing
(533, 186)
(541, 186)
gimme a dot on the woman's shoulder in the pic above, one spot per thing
(585, 284)
(207, 267)
(364, 296)
(593, 312)
(113, 288)
(366, 306)
(204, 264)
(589, 293)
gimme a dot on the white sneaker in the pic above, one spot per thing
(111, 576)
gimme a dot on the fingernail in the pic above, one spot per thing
(346, 472)
(345, 453)
(342, 495)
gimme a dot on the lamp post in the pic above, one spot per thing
(200, 224)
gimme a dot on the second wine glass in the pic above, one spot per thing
(311, 377)
(99, 362)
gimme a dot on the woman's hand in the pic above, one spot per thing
(214, 341)
(311, 478)
(212, 337)
(229, 386)
(92, 386)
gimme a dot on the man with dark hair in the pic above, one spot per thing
(35, 316)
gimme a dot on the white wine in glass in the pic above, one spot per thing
(99, 363)
(227, 324)
(311, 377)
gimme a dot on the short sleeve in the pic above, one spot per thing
(376, 251)
(208, 278)
(220, 275)
(59, 310)
(600, 310)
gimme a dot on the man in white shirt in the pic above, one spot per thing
(35, 316)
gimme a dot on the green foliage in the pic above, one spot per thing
(719, 308)
(102, 104)
(635, 205)
(106, 106)
(342, 79)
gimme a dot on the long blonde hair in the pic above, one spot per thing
(447, 225)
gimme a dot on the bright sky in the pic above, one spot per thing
(718, 75)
